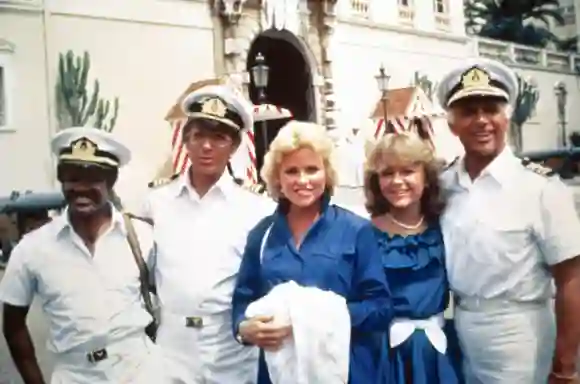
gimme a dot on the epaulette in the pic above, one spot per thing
(141, 218)
(451, 163)
(257, 188)
(163, 181)
(538, 168)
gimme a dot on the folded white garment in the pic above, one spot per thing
(318, 351)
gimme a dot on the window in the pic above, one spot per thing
(6, 83)
(440, 6)
(2, 98)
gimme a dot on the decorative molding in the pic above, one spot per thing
(6, 46)
(21, 5)
(189, 14)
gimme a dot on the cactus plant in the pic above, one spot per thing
(425, 84)
(526, 101)
(74, 105)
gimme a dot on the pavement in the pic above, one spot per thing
(39, 330)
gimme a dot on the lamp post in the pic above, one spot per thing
(383, 84)
(562, 98)
(260, 73)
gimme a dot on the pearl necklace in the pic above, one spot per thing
(407, 226)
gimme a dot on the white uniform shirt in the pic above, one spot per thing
(503, 230)
(200, 242)
(90, 300)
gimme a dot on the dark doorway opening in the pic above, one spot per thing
(289, 82)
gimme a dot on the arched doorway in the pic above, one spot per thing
(289, 81)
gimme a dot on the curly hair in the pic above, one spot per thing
(410, 149)
(293, 136)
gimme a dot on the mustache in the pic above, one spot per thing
(72, 194)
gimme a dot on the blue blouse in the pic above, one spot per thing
(339, 254)
(415, 269)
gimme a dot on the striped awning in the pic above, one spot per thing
(265, 112)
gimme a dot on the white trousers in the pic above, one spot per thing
(205, 355)
(513, 344)
(135, 360)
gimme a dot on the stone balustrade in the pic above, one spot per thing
(521, 55)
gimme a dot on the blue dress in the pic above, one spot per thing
(338, 254)
(415, 269)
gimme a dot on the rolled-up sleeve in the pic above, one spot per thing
(249, 280)
(18, 285)
(370, 305)
(559, 229)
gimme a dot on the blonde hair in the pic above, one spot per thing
(407, 148)
(293, 136)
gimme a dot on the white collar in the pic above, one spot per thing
(500, 169)
(225, 185)
(62, 223)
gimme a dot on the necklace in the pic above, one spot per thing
(407, 226)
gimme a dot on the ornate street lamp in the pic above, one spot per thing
(260, 76)
(562, 99)
(383, 84)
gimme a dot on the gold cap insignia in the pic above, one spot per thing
(215, 107)
(84, 149)
(475, 78)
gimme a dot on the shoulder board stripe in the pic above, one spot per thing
(163, 181)
(538, 168)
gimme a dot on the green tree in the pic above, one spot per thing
(518, 21)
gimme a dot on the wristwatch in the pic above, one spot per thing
(240, 339)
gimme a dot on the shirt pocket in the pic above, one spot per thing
(332, 269)
(506, 235)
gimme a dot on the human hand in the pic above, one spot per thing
(260, 331)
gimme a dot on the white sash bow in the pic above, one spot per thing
(402, 329)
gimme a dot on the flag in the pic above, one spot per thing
(179, 158)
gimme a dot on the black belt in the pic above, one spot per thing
(98, 355)
(193, 322)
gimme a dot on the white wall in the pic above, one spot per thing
(359, 51)
(146, 52)
(24, 155)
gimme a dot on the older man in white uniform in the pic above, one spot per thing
(510, 227)
(201, 220)
(81, 268)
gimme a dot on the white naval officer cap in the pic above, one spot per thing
(89, 147)
(219, 103)
(478, 77)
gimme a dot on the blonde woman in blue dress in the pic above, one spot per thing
(403, 199)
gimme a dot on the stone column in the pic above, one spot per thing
(326, 32)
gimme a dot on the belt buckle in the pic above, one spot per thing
(193, 322)
(96, 356)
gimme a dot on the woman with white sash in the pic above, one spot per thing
(402, 192)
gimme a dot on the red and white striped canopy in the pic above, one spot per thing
(403, 124)
(265, 112)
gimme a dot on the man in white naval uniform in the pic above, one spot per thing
(510, 229)
(81, 268)
(201, 220)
